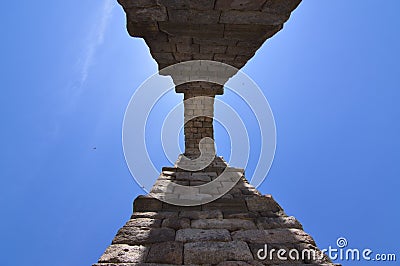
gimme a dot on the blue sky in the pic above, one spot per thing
(69, 69)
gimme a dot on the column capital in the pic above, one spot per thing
(200, 88)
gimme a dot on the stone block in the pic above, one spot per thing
(122, 253)
(229, 224)
(227, 196)
(252, 17)
(166, 252)
(147, 14)
(193, 16)
(194, 198)
(189, 4)
(154, 215)
(161, 47)
(142, 29)
(281, 6)
(240, 215)
(168, 168)
(193, 30)
(214, 41)
(181, 57)
(205, 177)
(278, 222)
(212, 49)
(224, 57)
(239, 5)
(162, 57)
(139, 235)
(170, 207)
(176, 224)
(180, 40)
(238, 204)
(214, 214)
(250, 191)
(187, 48)
(137, 3)
(144, 222)
(183, 190)
(146, 204)
(241, 50)
(161, 189)
(192, 235)
(251, 34)
(262, 203)
(215, 252)
(201, 56)
(210, 190)
(273, 236)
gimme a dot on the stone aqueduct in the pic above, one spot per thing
(233, 228)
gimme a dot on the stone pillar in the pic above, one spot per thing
(198, 116)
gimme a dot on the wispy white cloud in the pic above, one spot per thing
(96, 38)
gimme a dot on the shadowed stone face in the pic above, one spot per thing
(228, 31)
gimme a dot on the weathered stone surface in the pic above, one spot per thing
(226, 204)
(188, 4)
(217, 214)
(144, 222)
(213, 49)
(230, 224)
(176, 224)
(192, 16)
(193, 30)
(155, 215)
(240, 215)
(274, 236)
(239, 4)
(138, 3)
(192, 235)
(193, 176)
(281, 6)
(124, 253)
(153, 13)
(279, 222)
(249, 33)
(265, 203)
(146, 204)
(170, 207)
(166, 252)
(216, 252)
(253, 17)
(140, 235)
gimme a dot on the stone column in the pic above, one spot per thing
(198, 116)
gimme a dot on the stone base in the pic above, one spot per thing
(228, 231)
